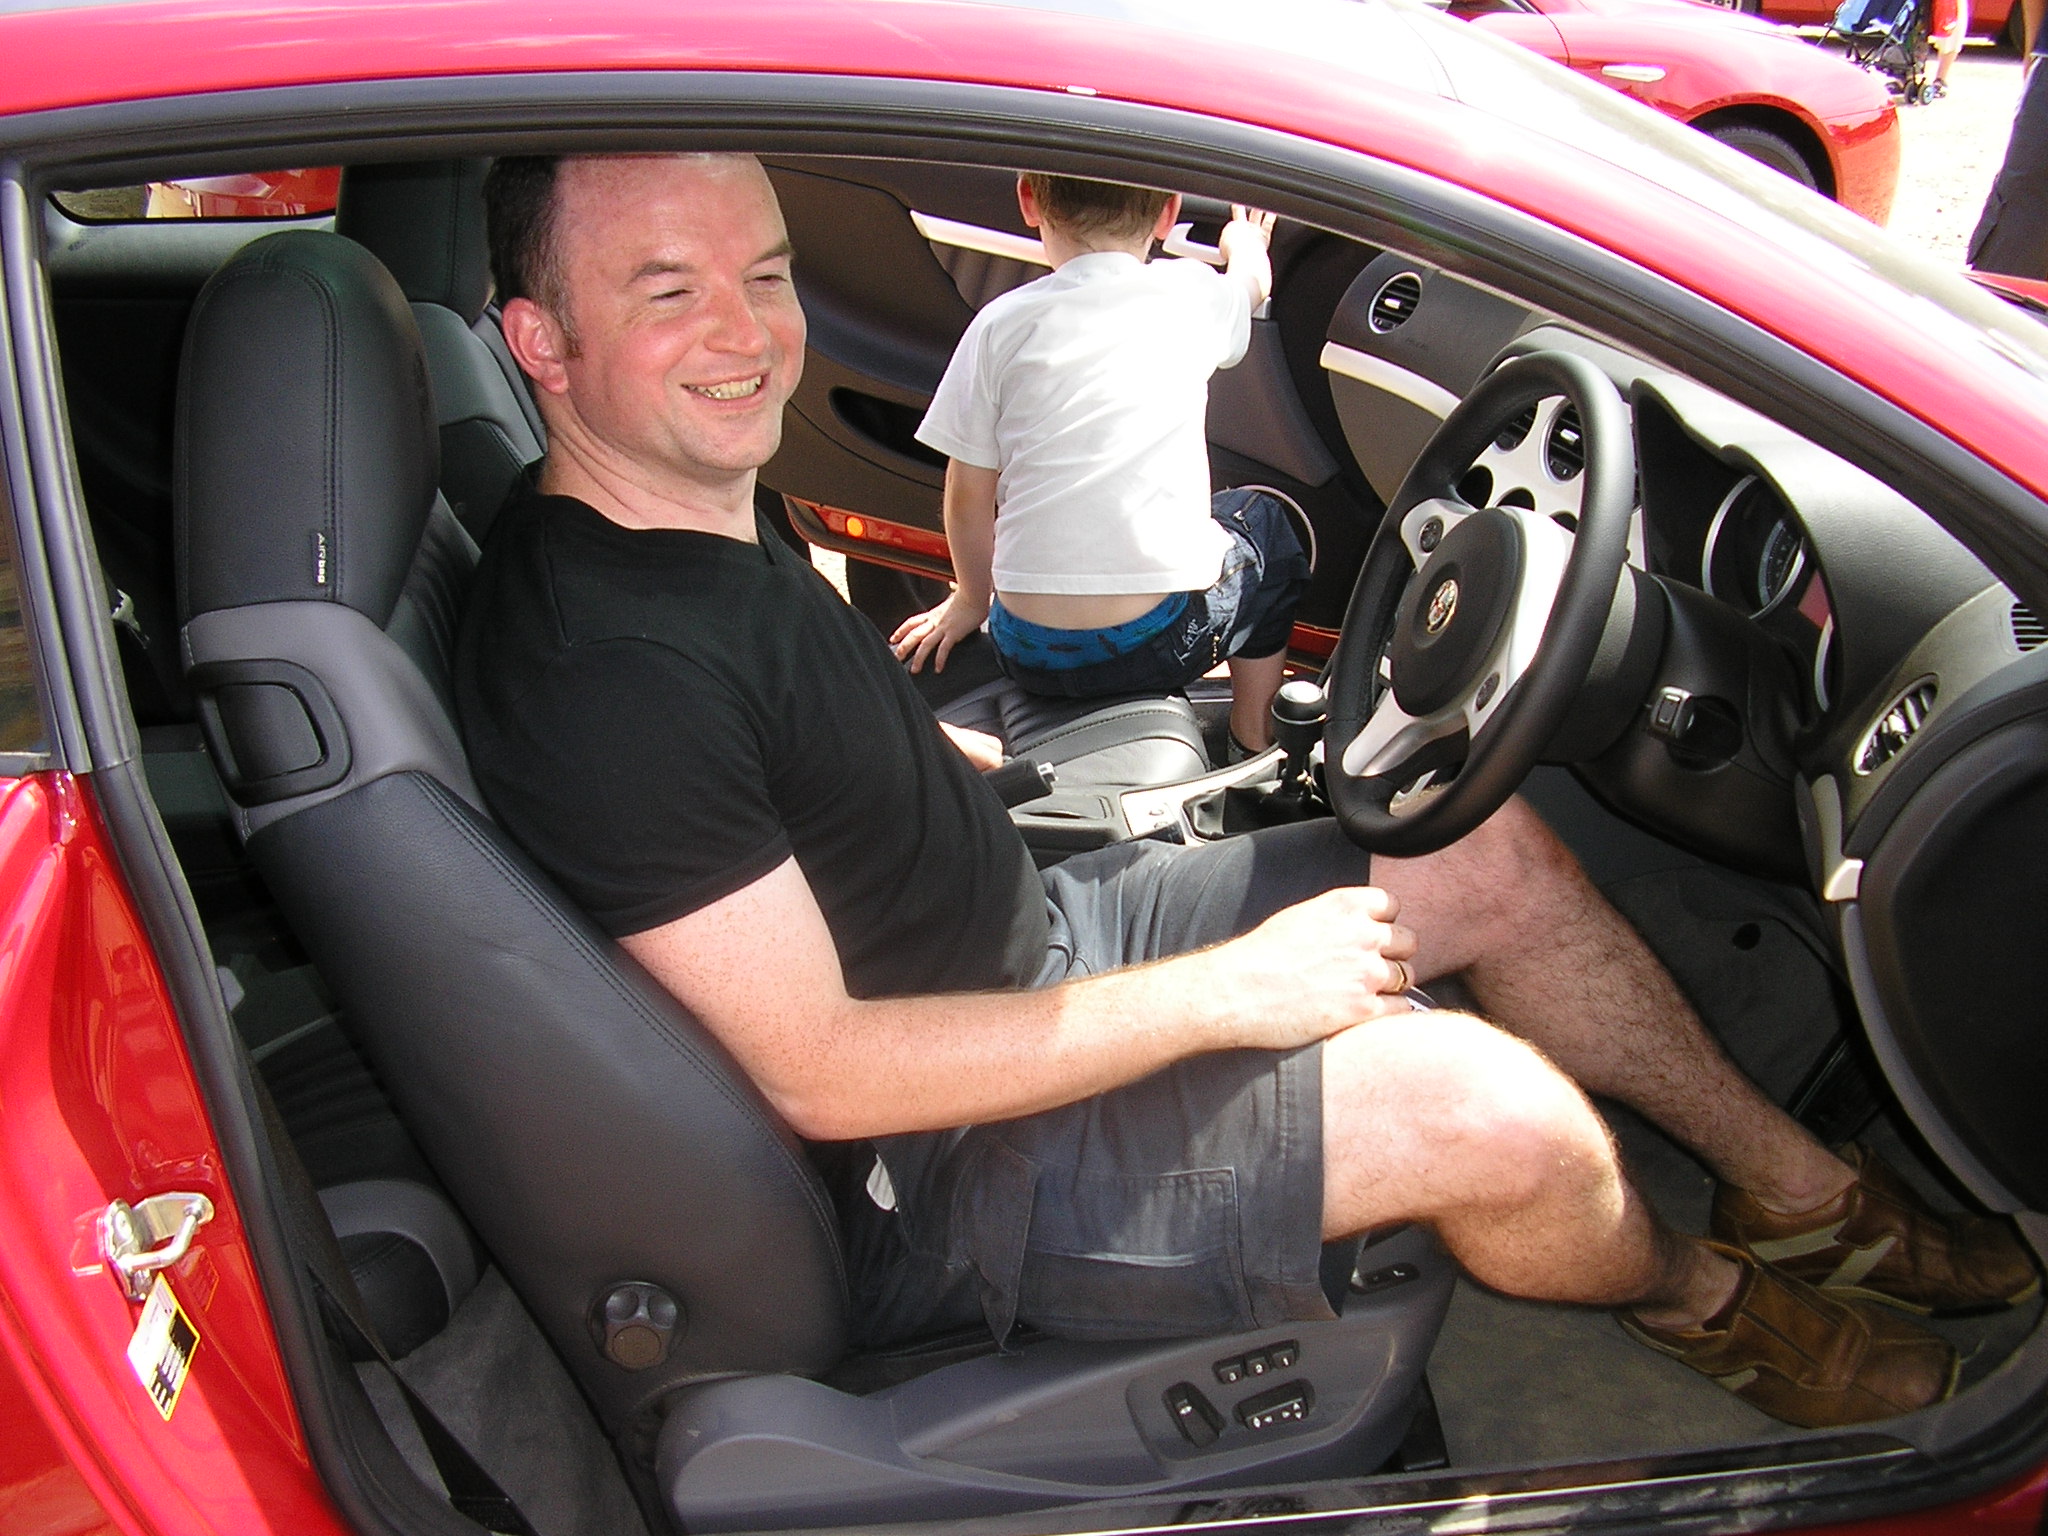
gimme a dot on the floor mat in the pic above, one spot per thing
(493, 1381)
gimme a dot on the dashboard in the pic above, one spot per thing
(1820, 621)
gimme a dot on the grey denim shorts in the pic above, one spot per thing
(1189, 1202)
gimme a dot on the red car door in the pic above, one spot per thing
(169, 1413)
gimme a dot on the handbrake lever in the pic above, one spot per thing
(1022, 780)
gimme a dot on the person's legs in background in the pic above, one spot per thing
(2012, 233)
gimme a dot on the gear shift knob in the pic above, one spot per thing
(1299, 710)
(1301, 702)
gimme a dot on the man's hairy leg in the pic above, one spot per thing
(1547, 957)
(1442, 1118)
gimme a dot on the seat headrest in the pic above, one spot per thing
(307, 452)
(424, 221)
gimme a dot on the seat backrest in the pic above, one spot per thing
(609, 1153)
(425, 221)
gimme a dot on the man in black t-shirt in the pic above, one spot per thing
(1133, 1096)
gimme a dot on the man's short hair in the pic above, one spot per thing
(1079, 207)
(520, 201)
(519, 223)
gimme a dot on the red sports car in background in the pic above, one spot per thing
(352, 1181)
(1752, 85)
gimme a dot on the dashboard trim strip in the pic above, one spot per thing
(972, 237)
(1425, 394)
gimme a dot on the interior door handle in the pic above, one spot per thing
(138, 1240)
(1178, 243)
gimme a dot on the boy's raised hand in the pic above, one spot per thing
(936, 631)
(1245, 224)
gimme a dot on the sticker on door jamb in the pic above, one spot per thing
(162, 1348)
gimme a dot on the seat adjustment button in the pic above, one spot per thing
(1196, 1416)
(1230, 1372)
(1289, 1403)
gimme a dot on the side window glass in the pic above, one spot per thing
(21, 715)
(259, 195)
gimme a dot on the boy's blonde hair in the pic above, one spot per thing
(1082, 208)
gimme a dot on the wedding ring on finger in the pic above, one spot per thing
(1403, 978)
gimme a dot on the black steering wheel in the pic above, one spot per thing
(1471, 631)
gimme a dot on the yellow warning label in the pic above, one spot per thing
(161, 1350)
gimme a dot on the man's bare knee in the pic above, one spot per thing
(1518, 1121)
(1453, 1113)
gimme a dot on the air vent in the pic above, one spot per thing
(1896, 727)
(1394, 305)
(1564, 451)
(2027, 629)
(1512, 434)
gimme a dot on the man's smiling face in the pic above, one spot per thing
(684, 336)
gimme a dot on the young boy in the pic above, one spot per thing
(1077, 496)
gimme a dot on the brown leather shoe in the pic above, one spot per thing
(1878, 1240)
(1809, 1358)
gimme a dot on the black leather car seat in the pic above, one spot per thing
(663, 1226)
(425, 221)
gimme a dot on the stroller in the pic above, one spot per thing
(1893, 38)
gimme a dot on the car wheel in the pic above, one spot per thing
(1772, 149)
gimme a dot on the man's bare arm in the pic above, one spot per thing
(759, 969)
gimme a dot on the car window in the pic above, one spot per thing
(290, 194)
(1465, 10)
(21, 716)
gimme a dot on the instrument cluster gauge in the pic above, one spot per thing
(1755, 552)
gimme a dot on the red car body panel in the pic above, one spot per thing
(97, 1103)
(97, 1100)
(1714, 61)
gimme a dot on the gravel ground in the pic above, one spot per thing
(1952, 151)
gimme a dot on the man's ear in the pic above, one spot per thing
(1168, 217)
(1027, 204)
(538, 344)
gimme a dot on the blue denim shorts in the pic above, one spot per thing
(1187, 1203)
(1248, 611)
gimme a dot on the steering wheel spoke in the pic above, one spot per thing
(1425, 525)
(1390, 743)
(1546, 552)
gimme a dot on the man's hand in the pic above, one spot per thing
(936, 631)
(1318, 967)
(978, 747)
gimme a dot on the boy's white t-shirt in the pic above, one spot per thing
(1088, 391)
